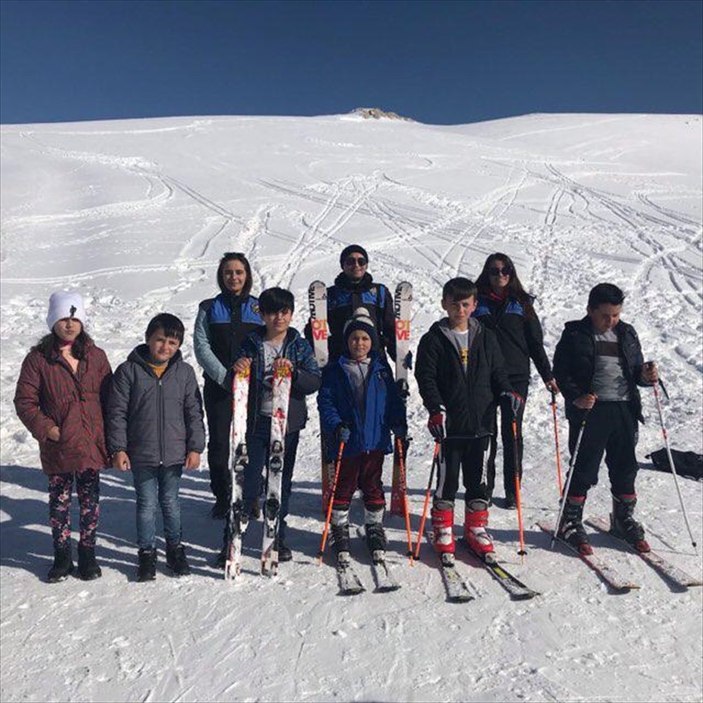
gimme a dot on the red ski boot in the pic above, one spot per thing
(442, 527)
(475, 521)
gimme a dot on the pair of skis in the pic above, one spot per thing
(238, 519)
(349, 582)
(402, 305)
(460, 591)
(615, 580)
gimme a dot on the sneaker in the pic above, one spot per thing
(176, 560)
(571, 528)
(624, 525)
(146, 571)
(88, 568)
(62, 566)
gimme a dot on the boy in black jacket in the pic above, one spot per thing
(460, 370)
(598, 365)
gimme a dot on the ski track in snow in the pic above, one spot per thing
(136, 214)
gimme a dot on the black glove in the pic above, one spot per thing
(342, 433)
(515, 399)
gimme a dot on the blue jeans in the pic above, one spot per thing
(157, 484)
(258, 448)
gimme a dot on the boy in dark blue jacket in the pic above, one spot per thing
(267, 348)
(360, 405)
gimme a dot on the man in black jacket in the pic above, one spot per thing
(353, 288)
(460, 370)
(598, 365)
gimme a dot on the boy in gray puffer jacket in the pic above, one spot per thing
(155, 429)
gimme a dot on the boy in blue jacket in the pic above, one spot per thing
(360, 405)
(267, 348)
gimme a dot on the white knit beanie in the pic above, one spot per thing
(65, 304)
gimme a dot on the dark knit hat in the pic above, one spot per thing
(352, 249)
(361, 320)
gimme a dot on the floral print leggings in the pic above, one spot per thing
(88, 491)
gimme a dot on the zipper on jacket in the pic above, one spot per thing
(161, 421)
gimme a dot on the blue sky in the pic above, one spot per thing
(439, 62)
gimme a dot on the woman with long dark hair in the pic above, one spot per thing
(61, 397)
(505, 307)
(222, 324)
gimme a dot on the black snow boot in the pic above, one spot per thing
(147, 565)
(63, 564)
(624, 525)
(176, 559)
(88, 568)
(284, 551)
(571, 528)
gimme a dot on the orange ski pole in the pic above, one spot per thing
(556, 440)
(406, 510)
(437, 446)
(518, 499)
(329, 506)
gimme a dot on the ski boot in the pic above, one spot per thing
(88, 568)
(624, 525)
(340, 532)
(176, 559)
(443, 530)
(475, 521)
(375, 534)
(63, 564)
(146, 571)
(571, 528)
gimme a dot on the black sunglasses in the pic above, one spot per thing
(495, 271)
(351, 260)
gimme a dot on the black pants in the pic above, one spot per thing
(506, 436)
(218, 407)
(610, 428)
(465, 455)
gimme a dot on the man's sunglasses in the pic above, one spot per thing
(352, 260)
(495, 271)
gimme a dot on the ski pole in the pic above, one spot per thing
(556, 439)
(665, 434)
(518, 499)
(572, 463)
(403, 482)
(435, 458)
(329, 506)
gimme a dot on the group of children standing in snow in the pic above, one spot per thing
(148, 418)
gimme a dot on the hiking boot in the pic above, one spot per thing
(571, 528)
(475, 534)
(88, 568)
(176, 559)
(623, 523)
(146, 571)
(63, 564)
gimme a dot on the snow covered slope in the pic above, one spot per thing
(136, 214)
